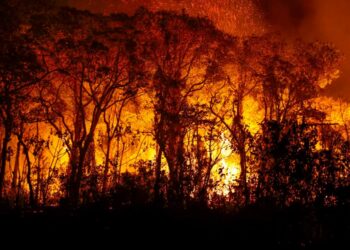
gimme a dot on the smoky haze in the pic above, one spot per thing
(323, 20)
(288, 16)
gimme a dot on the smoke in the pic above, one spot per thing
(322, 20)
(287, 16)
(333, 20)
(237, 17)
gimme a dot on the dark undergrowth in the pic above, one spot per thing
(256, 226)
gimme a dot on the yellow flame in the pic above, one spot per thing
(228, 170)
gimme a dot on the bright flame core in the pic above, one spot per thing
(228, 170)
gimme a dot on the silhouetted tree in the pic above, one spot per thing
(292, 75)
(19, 71)
(95, 72)
(178, 51)
(242, 75)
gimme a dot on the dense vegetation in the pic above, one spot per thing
(154, 110)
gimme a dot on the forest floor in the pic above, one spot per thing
(263, 228)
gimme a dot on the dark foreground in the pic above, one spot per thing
(292, 228)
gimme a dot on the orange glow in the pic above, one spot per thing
(218, 90)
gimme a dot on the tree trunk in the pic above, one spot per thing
(241, 137)
(157, 198)
(4, 152)
(106, 168)
(243, 176)
(174, 154)
(170, 130)
(72, 176)
(38, 182)
(77, 166)
(90, 169)
(75, 178)
(29, 173)
(170, 136)
(16, 168)
(79, 177)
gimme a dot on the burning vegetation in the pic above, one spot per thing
(170, 108)
(162, 107)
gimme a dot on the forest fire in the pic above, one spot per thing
(173, 105)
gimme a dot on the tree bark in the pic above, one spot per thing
(29, 173)
(106, 167)
(157, 198)
(16, 168)
(4, 152)
(243, 176)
